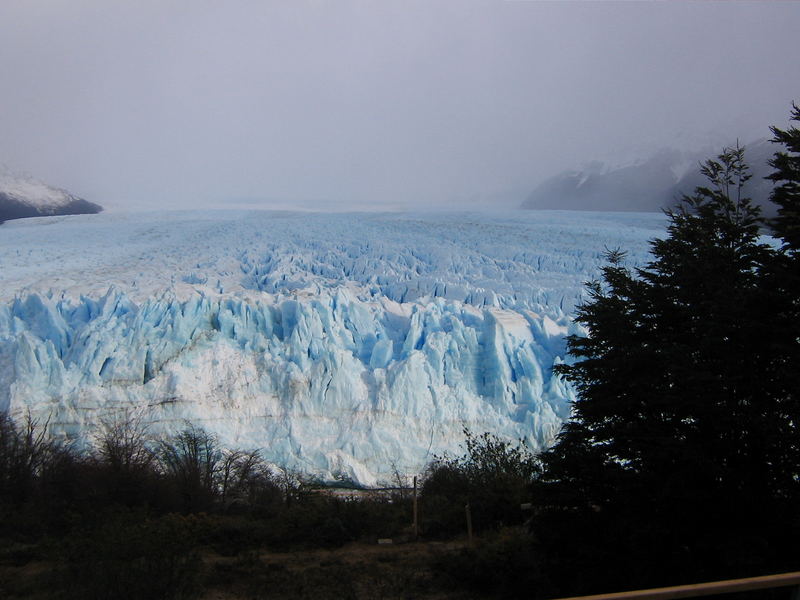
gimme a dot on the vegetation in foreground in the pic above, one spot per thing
(182, 517)
(681, 462)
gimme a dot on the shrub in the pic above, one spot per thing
(493, 476)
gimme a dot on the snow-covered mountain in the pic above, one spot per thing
(651, 184)
(22, 197)
(337, 343)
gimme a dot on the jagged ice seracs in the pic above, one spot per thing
(339, 344)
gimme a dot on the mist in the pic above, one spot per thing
(320, 104)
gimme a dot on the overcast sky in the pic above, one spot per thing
(196, 102)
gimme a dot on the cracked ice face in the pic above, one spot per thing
(335, 342)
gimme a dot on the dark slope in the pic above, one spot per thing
(648, 186)
(20, 206)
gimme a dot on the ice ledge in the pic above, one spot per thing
(331, 383)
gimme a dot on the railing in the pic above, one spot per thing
(695, 590)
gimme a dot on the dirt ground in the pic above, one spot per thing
(354, 571)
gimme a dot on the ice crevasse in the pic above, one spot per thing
(333, 385)
(326, 363)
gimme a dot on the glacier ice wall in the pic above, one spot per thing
(353, 344)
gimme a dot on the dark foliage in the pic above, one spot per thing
(190, 461)
(129, 519)
(493, 476)
(28, 457)
(787, 177)
(682, 458)
(783, 277)
(129, 556)
(502, 564)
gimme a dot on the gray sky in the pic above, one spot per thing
(195, 102)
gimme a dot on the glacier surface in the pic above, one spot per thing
(339, 344)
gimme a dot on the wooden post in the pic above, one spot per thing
(469, 523)
(416, 512)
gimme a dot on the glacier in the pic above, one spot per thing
(341, 344)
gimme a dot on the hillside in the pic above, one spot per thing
(22, 197)
(648, 185)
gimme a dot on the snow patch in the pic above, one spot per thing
(32, 192)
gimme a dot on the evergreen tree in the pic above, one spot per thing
(682, 455)
(787, 174)
(784, 274)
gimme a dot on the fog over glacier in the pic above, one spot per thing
(193, 103)
(341, 344)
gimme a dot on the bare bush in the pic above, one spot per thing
(25, 453)
(191, 460)
(124, 445)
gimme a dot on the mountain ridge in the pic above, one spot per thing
(648, 185)
(23, 197)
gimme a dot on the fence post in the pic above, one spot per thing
(416, 513)
(469, 523)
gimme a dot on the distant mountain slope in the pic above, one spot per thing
(648, 185)
(22, 197)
